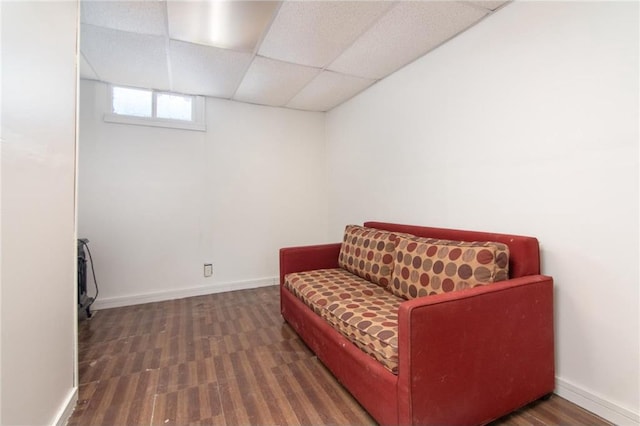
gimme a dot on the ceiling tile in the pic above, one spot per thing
(237, 25)
(273, 82)
(144, 17)
(327, 90)
(206, 70)
(489, 4)
(407, 32)
(85, 69)
(126, 58)
(314, 33)
(356, 42)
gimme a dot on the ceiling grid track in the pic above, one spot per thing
(167, 44)
(306, 55)
(257, 47)
(325, 67)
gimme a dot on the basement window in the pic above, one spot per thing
(146, 107)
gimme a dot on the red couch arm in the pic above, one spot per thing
(470, 357)
(308, 258)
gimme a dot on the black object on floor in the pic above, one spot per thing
(84, 301)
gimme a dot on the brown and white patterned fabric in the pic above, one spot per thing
(368, 253)
(363, 312)
(427, 266)
(502, 252)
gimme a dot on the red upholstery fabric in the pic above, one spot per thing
(465, 357)
(494, 351)
(308, 258)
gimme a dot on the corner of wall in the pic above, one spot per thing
(66, 409)
(597, 405)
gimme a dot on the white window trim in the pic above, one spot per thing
(198, 114)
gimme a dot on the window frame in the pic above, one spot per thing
(154, 105)
(197, 122)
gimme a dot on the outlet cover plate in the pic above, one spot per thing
(208, 269)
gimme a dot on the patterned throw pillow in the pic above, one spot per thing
(368, 253)
(428, 266)
(502, 252)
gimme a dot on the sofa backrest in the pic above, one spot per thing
(524, 256)
(368, 253)
(428, 266)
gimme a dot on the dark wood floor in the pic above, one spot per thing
(225, 359)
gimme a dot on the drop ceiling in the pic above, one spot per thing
(308, 55)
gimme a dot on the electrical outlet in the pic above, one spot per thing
(208, 269)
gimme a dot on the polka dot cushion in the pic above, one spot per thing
(363, 312)
(502, 251)
(368, 253)
(317, 288)
(426, 266)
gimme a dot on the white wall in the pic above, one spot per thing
(38, 237)
(156, 203)
(526, 124)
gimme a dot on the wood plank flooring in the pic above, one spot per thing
(225, 359)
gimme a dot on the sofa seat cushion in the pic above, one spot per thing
(426, 266)
(363, 312)
(368, 253)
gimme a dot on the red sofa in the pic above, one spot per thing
(465, 357)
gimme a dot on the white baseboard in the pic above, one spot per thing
(597, 405)
(137, 299)
(66, 410)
